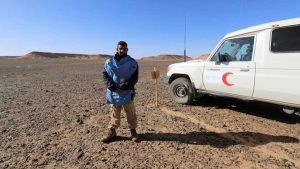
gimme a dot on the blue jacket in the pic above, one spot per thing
(120, 73)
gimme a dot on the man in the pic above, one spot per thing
(248, 55)
(120, 74)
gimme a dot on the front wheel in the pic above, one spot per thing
(182, 91)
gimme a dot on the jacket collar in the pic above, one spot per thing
(117, 57)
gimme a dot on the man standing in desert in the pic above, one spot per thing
(120, 74)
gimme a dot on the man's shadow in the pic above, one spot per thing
(218, 140)
(256, 108)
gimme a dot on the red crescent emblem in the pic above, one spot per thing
(224, 79)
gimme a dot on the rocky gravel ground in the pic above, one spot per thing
(53, 114)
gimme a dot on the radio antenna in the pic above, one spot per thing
(184, 51)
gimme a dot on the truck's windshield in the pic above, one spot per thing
(239, 49)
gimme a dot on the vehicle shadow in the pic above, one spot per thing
(260, 109)
(218, 140)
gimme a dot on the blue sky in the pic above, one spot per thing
(150, 27)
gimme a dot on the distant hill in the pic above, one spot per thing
(166, 58)
(202, 57)
(44, 55)
(8, 57)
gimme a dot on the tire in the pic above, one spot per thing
(182, 91)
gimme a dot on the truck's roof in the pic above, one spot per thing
(269, 25)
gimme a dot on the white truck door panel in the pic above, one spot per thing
(231, 70)
(231, 78)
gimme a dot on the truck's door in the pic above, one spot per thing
(231, 69)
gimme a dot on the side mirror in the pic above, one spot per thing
(219, 58)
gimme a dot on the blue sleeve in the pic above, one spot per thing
(108, 81)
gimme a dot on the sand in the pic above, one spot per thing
(53, 114)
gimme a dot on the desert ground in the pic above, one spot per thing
(53, 114)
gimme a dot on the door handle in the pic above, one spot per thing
(212, 69)
(245, 70)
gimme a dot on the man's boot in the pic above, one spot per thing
(111, 134)
(134, 136)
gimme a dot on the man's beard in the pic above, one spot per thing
(122, 55)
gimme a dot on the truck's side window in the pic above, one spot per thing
(286, 39)
(239, 49)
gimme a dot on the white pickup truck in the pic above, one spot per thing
(257, 63)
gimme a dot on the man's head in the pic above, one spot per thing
(249, 50)
(122, 48)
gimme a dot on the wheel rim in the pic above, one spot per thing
(288, 110)
(181, 91)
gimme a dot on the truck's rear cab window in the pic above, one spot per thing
(286, 39)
